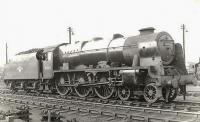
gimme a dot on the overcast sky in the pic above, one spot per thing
(26, 24)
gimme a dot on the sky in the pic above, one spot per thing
(26, 24)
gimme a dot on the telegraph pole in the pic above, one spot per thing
(6, 53)
(184, 30)
(70, 34)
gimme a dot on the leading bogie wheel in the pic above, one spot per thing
(151, 93)
(61, 89)
(124, 93)
(172, 93)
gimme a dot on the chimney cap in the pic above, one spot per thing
(97, 38)
(117, 35)
(147, 30)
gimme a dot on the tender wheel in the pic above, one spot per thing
(151, 93)
(26, 89)
(12, 86)
(171, 95)
(104, 91)
(124, 93)
(82, 91)
(63, 90)
(38, 88)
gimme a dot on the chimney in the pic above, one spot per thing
(97, 38)
(145, 31)
(117, 35)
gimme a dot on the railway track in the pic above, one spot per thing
(175, 105)
(110, 110)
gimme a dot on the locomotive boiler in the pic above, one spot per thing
(121, 49)
(148, 65)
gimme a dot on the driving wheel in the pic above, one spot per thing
(61, 89)
(82, 91)
(104, 91)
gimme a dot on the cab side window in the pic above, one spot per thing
(49, 55)
(45, 57)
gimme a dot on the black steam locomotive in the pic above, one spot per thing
(150, 65)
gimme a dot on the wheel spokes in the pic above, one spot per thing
(151, 93)
(82, 91)
(63, 90)
(104, 91)
(171, 95)
(124, 93)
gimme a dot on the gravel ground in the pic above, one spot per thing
(76, 117)
(68, 117)
(193, 94)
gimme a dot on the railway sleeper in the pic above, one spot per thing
(175, 113)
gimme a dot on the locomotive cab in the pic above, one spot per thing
(50, 60)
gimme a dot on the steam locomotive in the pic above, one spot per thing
(148, 65)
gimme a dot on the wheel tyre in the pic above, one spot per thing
(172, 95)
(104, 91)
(151, 93)
(12, 87)
(63, 90)
(82, 91)
(124, 93)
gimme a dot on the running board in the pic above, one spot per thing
(92, 84)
